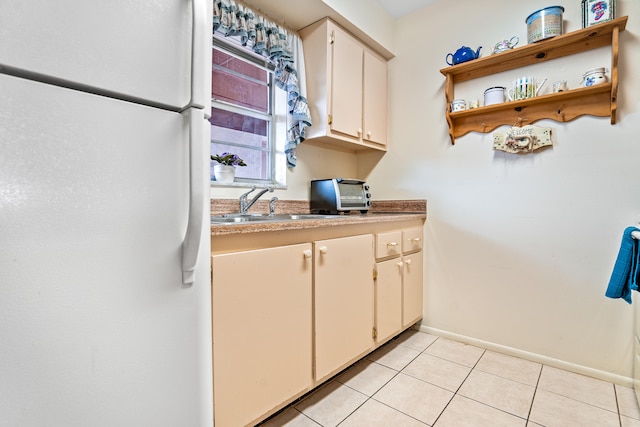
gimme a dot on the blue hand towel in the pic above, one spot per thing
(625, 278)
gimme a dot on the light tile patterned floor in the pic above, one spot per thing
(420, 379)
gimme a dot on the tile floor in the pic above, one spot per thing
(420, 379)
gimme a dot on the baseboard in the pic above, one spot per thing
(534, 357)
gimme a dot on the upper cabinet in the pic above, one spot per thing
(346, 89)
(598, 100)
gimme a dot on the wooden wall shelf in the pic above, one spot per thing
(597, 100)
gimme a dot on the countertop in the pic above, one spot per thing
(381, 211)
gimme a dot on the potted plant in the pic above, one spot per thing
(225, 170)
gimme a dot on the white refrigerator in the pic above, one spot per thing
(105, 315)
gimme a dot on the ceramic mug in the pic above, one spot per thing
(458, 105)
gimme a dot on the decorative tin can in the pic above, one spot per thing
(494, 95)
(597, 11)
(544, 23)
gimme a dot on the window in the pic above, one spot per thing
(248, 116)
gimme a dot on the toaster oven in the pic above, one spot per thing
(336, 195)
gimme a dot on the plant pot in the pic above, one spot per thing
(224, 173)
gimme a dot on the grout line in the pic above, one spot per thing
(615, 394)
(535, 391)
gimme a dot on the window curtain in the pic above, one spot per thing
(283, 48)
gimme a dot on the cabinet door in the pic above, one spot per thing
(343, 301)
(346, 90)
(262, 330)
(388, 298)
(412, 283)
(375, 99)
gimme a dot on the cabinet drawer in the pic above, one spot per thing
(388, 244)
(412, 239)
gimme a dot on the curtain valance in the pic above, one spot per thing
(283, 48)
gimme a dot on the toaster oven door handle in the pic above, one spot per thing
(349, 181)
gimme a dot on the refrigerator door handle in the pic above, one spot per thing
(200, 69)
(197, 178)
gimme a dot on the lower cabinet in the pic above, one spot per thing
(412, 285)
(292, 309)
(262, 331)
(343, 301)
(399, 281)
(388, 286)
(412, 275)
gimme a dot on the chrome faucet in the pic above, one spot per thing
(245, 204)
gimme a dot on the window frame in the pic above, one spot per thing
(275, 117)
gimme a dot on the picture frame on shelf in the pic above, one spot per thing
(597, 11)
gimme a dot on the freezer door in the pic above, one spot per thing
(97, 327)
(138, 48)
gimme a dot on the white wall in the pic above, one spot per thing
(519, 248)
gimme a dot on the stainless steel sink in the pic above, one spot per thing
(304, 216)
(238, 219)
(235, 219)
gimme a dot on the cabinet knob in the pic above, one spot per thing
(391, 245)
(369, 134)
(323, 250)
(416, 240)
(307, 254)
(408, 262)
(399, 264)
(359, 131)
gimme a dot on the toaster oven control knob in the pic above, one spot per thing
(366, 187)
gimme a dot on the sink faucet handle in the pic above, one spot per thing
(243, 200)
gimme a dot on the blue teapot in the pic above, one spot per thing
(463, 54)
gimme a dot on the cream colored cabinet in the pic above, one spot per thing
(388, 285)
(388, 297)
(346, 89)
(262, 330)
(374, 115)
(399, 281)
(343, 302)
(292, 308)
(412, 275)
(345, 112)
